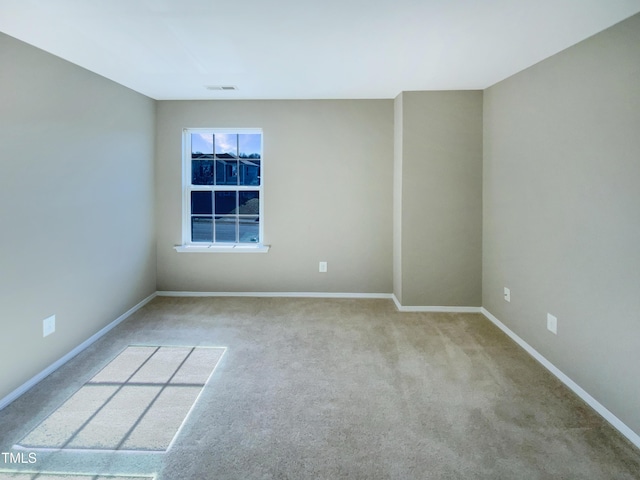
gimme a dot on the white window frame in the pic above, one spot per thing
(217, 247)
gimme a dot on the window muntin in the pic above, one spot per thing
(223, 187)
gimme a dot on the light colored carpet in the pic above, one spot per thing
(137, 402)
(62, 476)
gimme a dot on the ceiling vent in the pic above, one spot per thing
(221, 87)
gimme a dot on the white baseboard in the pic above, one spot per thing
(577, 389)
(57, 364)
(322, 295)
(444, 309)
(274, 294)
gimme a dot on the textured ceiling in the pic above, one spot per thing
(173, 49)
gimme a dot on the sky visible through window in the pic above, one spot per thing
(247, 144)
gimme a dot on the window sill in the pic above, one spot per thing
(222, 249)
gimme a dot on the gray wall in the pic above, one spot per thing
(328, 169)
(562, 212)
(76, 206)
(441, 199)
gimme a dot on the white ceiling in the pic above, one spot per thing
(172, 49)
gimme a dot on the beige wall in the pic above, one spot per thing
(441, 199)
(328, 168)
(562, 212)
(76, 206)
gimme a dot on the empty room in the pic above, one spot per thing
(319, 240)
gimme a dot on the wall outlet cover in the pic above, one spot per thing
(552, 324)
(48, 326)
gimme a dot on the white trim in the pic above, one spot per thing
(396, 301)
(444, 308)
(592, 402)
(222, 130)
(322, 295)
(235, 248)
(61, 361)
(274, 294)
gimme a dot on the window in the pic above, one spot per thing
(222, 190)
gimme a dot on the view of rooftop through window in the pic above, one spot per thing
(226, 145)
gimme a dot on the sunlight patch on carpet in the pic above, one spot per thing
(138, 402)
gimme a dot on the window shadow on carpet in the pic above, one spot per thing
(138, 402)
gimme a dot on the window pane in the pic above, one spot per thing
(202, 229)
(201, 145)
(226, 229)
(249, 172)
(201, 172)
(201, 203)
(226, 145)
(249, 203)
(249, 229)
(250, 145)
(226, 172)
(221, 161)
(226, 202)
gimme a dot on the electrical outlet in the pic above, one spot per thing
(552, 324)
(507, 294)
(48, 325)
(322, 267)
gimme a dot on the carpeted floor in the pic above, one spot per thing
(341, 388)
(62, 476)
